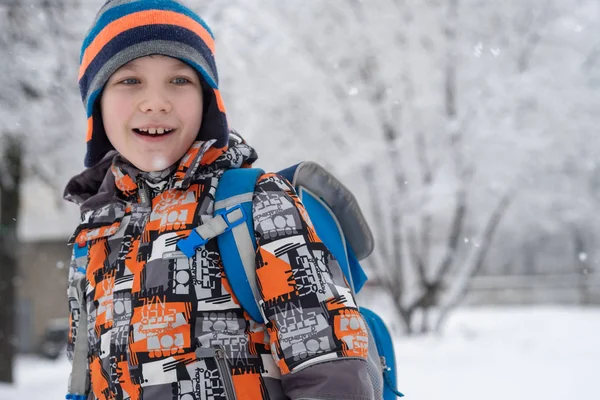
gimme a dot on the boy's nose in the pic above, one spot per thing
(155, 103)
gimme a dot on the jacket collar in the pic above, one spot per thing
(114, 179)
(127, 176)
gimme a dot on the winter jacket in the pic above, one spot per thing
(162, 326)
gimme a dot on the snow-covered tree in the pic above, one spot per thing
(33, 112)
(447, 118)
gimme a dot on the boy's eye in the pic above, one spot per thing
(181, 81)
(130, 81)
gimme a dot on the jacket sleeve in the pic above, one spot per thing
(77, 337)
(318, 338)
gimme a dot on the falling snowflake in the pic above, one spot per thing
(477, 51)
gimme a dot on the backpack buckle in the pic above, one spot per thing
(238, 216)
(189, 245)
(223, 221)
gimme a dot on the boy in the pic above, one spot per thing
(147, 323)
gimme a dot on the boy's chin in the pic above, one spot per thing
(153, 162)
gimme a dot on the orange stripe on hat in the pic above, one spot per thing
(134, 20)
(219, 101)
(90, 129)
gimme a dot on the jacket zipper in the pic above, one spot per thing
(225, 373)
(144, 193)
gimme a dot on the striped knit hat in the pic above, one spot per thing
(128, 29)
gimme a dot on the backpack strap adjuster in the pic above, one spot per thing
(233, 216)
(223, 221)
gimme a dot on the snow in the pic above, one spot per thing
(495, 354)
(38, 378)
(549, 353)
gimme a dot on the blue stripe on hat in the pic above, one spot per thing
(123, 10)
(204, 74)
(89, 109)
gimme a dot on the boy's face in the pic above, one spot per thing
(152, 111)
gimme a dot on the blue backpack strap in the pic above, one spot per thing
(289, 173)
(237, 246)
(359, 277)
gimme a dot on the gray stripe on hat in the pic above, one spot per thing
(163, 47)
(105, 8)
(113, 4)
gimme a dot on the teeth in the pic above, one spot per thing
(155, 131)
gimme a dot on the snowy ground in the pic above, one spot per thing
(499, 354)
(547, 353)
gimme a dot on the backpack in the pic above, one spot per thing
(339, 223)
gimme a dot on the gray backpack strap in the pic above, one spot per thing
(238, 246)
(79, 382)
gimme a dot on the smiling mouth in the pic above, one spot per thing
(154, 132)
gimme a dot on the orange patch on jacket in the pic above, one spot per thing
(350, 328)
(105, 287)
(248, 387)
(334, 304)
(212, 154)
(133, 390)
(186, 161)
(99, 380)
(157, 310)
(98, 255)
(257, 339)
(173, 210)
(161, 343)
(155, 321)
(275, 277)
(135, 266)
(86, 235)
(312, 233)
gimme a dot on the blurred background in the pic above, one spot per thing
(468, 130)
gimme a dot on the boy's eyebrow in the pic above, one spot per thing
(180, 65)
(126, 67)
